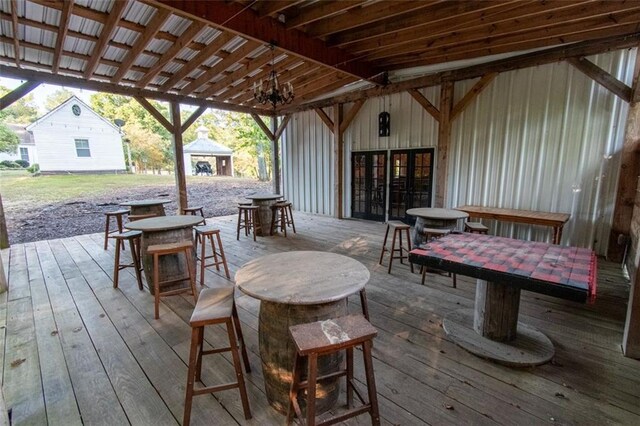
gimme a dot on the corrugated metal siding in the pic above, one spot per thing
(307, 163)
(545, 138)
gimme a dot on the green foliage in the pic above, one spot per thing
(56, 98)
(9, 141)
(22, 111)
(148, 150)
(8, 164)
(22, 163)
(34, 168)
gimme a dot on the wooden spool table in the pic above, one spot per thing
(436, 218)
(505, 266)
(161, 230)
(151, 206)
(264, 202)
(298, 287)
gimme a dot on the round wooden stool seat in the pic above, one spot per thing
(195, 211)
(475, 227)
(117, 214)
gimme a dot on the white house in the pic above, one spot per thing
(74, 138)
(26, 148)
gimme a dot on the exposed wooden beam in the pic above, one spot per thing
(471, 94)
(262, 126)
(155, 113)
(185, 39)
(14, 28)
(602, 77)
(17, 93)
(585, 48)
(211, 49)
(323, 115)
(428, 106)
(444, 142)
(178, 156)
(117, 10)
(240, 73)
(275, 155)
(338, 162)
(282, 126)
(98, 86)
(63, 28)
(273, 7)
(219, 67)
(153, 27)
(321, 10)
(346, 121)
(192, 118)
(246, 22)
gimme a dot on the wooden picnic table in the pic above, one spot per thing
(298, 287)
(264, 201)
(555, 220)
(504, 267)
(150, 206)
(429, 217)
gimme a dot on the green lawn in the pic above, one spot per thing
(21, 187)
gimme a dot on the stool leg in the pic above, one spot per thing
(213, 249)
(312, 374)
(364, 304)
(401, 247)
(290, 218)
(136, 261)
(192, 273)
(106, 233)
(239, 221)
(238, 329)
(204, 220)
(384, 245)
(393, 249)
(293, 390)
(116, 266)
(254, 220)
(238, 368)
(371, 383)
(190, 377)
(156, 285)
(409, 246)
(224, 258)
(203, 251)
(119, 222)
(455, 281)
(424, 273)
(283, 221)
(349, 377)
(198, 375)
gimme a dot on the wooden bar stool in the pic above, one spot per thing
(215, 306)
(397, 228)
(248, 219)
(288, 209)
(202, 234)
(324, 337)
(193, 211)
(134, 217)
(134, 244)
(180, 248)
(280, 218)
(432, 234)
(118, 214)
(475, 227)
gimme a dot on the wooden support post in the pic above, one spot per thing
(178, 153)
(338, 161)
(275, 155)
(4, 236)
(631, 338)
(444, 141)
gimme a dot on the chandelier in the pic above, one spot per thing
(270, 91)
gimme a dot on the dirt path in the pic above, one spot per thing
(219, 197)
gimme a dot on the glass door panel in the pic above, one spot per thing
(411, 182)
(368, 192)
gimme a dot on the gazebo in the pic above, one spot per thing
(204, 147)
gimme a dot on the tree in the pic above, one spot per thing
(56, 98)
(253, 140)
(148, 150)
(8, 139)
(22, 111)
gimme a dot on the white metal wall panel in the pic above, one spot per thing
(545, 138)
(307, 163)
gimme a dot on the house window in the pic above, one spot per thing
(24, 154)
(82, 148)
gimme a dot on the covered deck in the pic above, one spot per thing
(75, 350)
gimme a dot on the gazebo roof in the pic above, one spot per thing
(205, 146)
(195, 53)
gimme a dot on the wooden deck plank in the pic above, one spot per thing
(422, 377)
(96, 398)
(60, 401)
(5, 255)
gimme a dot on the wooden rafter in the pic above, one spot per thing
(14, 26)
(195, 62)
(282, 126)
(247, 23)
(273, 7)
(17, 93)
(105, 35)
(355, 109)
(239, 74)
(426, 104)
(321, 10)
(472, 93)
(152, 28)
(63, 28)
(325, 118)
(602, 77)
(155, 113)
(185, 39)
(192, 118)
(262, 125)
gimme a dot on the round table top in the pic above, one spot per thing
(264, 197)
(164, 223)
(437, 213)
(141, 203)
(302, 277)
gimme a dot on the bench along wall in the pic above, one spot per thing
(542, 138)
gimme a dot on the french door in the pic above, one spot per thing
(411, 182)
(368, 185)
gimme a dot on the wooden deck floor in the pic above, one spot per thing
(74, 350)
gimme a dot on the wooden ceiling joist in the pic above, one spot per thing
(246, 22)
(63, 28)
(239, 74)
(106, 34)
(321, 10)
(15, 29)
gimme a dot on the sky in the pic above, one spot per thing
(44, 90)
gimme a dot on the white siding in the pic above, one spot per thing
(55, 136)
(543, 138)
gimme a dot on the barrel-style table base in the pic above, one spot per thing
(265, 213)
(277, 351)
(421, 223)
(157, 209)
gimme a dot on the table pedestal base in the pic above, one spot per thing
(421, 223)
(265, 213)
(529, 348)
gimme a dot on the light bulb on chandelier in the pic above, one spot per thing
(270, 91)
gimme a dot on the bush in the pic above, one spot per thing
(34, 168)
(10, 164)
(22, 163)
